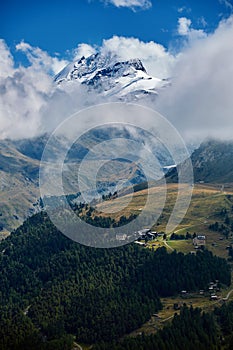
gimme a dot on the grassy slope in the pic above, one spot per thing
(207, 201)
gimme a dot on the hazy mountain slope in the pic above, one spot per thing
(19, 168)
(19, 171)
(18, 186)
(212, 162)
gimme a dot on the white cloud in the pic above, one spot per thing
(41, 59)
(24, 91)
(132, 4)
(199, 102)
(84, 50)
(184, 29)
(184, 25)
(6, 60)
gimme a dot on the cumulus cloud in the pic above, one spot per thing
(184, 26)
(84, 50)
(6, 60)
(199, 102)
(41, 59)
(184, 29)
(132, 4)
(24, 91)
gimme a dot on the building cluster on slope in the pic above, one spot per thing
(145, 235)
(199, 241)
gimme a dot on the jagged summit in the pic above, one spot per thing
(112, 77)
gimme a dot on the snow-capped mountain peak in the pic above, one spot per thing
(112, 77)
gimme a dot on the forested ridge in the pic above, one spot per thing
(52, 287)
(191, 330)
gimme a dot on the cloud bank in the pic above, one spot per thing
(25, 91)
(199, 102)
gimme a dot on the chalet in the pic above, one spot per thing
(143, 233)
(199, 241)
(150, 235)
(146, 234)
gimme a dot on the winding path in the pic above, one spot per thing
(77, 346)
(228, 294)
(167, 245)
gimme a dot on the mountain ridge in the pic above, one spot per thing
(112, 77)
(212, 162)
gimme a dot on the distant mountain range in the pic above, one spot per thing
(20, 161)
(124, 80)
(121, 80)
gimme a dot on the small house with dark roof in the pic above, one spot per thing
(199, 240)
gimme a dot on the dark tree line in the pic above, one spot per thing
(192, 329)
(52, 287)
(92, 217)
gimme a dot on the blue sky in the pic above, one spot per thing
(58, 26)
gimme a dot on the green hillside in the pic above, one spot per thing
(53, 288)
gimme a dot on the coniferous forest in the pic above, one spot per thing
(53, 290)
(190, 330)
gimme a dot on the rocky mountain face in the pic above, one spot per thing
(124, 80)
(212, 163)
